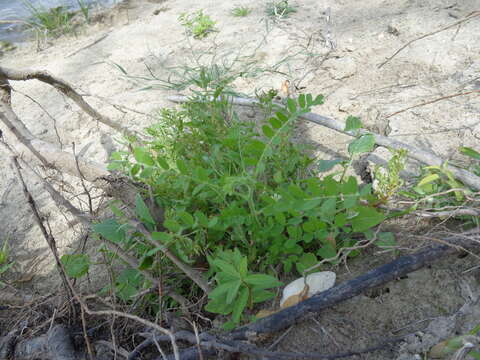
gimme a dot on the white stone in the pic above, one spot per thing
(317, 282)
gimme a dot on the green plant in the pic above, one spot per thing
(240, 11)
(388, 178)
(236, 287)
(197, 24)
(438, 190)
(235, 190)
(54, 21)
(279, 9)
(5, 265)
(85, 10)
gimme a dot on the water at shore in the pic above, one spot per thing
(16, 10)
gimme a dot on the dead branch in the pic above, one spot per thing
(465, 19)
(48, 237)
(50, 155)
(63, 87)
(433, 101)
(423, 156)
(378, 276)
(346, 290)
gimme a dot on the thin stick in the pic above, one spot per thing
(48, 237)
(95, 42)
(433, 101)
(467, 18)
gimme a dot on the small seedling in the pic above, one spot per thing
(280, 9)
(197, 24)
(241, 11)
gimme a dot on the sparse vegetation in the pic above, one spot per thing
(280, 9)
(5, 263)
(241, 11)
(51, 22)
(197, 24)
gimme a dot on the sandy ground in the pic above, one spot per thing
(327, 47)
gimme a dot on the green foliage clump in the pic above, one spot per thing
(52, 22)
(241, 200)
(241, 11)
(280, 9)
(197, 24)
(389, 180)
(438, 190)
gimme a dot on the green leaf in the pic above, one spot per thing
(326, 165)
(243, 267)
(363, 144)
(262, 281)
(182, 167)
(143, 156)
(267, 131)
(202, 219)
(276, 124)
(386, 239)
(163, 237)
(328, 207)
(110, 230)
(213, 222)
(221, 290)
(307, 260)
(76, 265)
(261, 295)
(240, 305)
(367, 218)
(327, 252)
(428, 179)
(318, 100)
(172, 225)
(470, 152)
(226, 267)
(291, 105)
(219, 306)
(353, 123)
(186, 218)
(142, 210)
(301, 101)
(163, 163)
(309, 99)
(233, 291)
(281, 116)
(146, 263)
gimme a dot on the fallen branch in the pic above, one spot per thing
(348, 289)
(423, 156)
(63, 87)
(50, 155)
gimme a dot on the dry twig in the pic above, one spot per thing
(465, 19)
